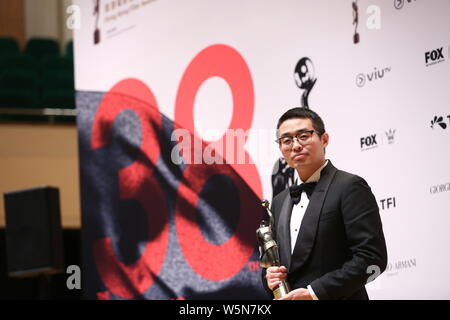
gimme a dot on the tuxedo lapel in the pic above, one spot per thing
(283, 231)
(308, 227)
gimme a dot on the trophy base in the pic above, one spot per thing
(97, 36)
(281, 290)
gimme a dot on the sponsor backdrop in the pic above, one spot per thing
(177, 105)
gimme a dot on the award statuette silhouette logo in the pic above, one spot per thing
(305, 79)
(268, 249)
(355, 21)
(97, 14)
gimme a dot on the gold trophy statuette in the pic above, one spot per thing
(268, 249)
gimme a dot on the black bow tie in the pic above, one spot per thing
(296, 191)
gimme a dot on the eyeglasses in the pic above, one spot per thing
(303, 137)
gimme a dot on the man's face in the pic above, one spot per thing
(298, 156)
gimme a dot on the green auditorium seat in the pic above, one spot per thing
(13, 61)
(3, 62)
(58, 89)
(19, 88)
(9, 46)
(49, 63)
(40, 47)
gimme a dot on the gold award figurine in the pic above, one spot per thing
(268, 249)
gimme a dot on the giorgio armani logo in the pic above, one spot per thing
(305, 79)
(393, 268)
(439, 188)
(376, 74)
(439, 121)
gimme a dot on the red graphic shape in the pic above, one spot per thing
(216, 61)
(135, 182)
(103, 295)
(217, 262)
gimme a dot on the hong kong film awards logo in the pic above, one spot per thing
(97, 17)
(305, 79)
(282, 176)
(355, 21)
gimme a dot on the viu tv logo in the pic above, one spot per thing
(434, 57)
(376, 74)
(372, 141)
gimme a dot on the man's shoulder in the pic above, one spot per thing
(345, 175)
(346, 178)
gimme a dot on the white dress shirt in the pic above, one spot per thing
(298, 212)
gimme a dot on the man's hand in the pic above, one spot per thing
(298, 294)
(274, 275)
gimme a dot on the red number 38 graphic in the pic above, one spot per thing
(213, 262)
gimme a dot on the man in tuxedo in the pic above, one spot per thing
(328, 226)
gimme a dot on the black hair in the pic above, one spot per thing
(303, 113)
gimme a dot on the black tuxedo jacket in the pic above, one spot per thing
(340, 236)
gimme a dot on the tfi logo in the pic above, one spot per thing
(434, 57)
(387, 203)
(376, 74)
(369, 142)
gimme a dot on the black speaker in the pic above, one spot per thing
(34, 243)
